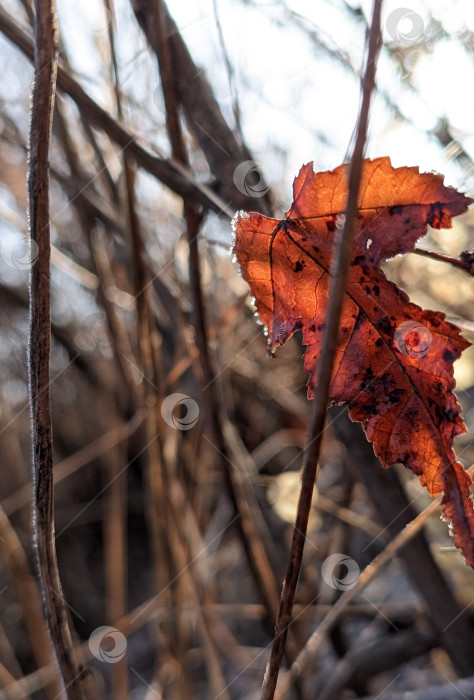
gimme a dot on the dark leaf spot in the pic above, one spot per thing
(449, 356)
(394, 211)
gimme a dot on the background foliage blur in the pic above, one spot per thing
(177, 441)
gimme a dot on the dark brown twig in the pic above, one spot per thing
(171, 173)
(453, 629)
(74, 676)
(28, 595)
(79, 459)
(380, 655)
(225, 443)
(463, 688)
(155, 20)
(465, 262)
(367, 575)
(316, 428)
(203, 114)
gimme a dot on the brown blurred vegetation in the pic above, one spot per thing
(178, 538)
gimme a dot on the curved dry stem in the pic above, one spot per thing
(73, 674)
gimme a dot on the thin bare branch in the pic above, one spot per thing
(170, 172)
(368, 574)
(463, 688)
(27, 592)
(71, 464)
(74, 675)
(318, 417)
(465, 262)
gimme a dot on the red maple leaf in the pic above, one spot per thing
(394, 361)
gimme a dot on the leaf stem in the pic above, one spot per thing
(465, 262)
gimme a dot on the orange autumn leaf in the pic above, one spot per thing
(394, 361)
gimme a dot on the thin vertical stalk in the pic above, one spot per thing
(75, 677)
(337, 292)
